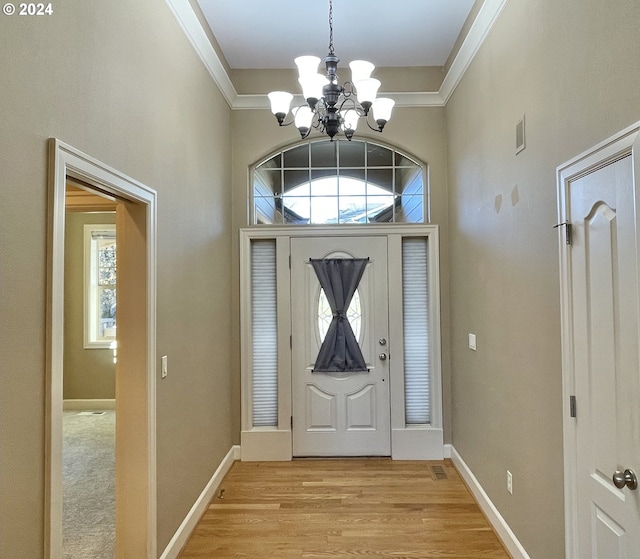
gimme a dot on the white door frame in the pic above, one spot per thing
(136, 404)
(425, 442)
(624, 143)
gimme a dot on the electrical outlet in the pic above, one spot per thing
(509, 482)
(164, 370)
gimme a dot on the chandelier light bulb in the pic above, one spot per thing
(360, 70)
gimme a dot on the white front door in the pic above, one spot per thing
(340, 414)
(603, 305)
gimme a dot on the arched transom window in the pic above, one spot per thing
(339, 182)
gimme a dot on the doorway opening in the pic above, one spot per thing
(135, 474)
(90, 355)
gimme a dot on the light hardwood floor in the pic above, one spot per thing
(354, 508)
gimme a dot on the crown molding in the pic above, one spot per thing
(197, 36)
(486, 18)
(410, 99)
(478, 32)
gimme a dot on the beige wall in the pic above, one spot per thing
(420, 132)
(119, 81)
(572, 67)
(88, 373)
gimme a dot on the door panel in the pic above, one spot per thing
(340, 414)
(604, 299)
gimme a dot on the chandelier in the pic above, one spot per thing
(332, 108)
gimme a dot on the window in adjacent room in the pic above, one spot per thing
(100, 285)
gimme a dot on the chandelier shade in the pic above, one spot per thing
(382, 108)
(360, 70)
(307, 65)
(367, 90)
(280, 103)
(312, 86)
(331, 107)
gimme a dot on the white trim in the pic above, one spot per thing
(66, 161)
(198, 38)
(262, 444)
(624, 142)
(423, 442)
(402, 99)
(502, 529)
(81, 404)
(417, 442)
(190, 24)
(486, 18)
(190, 521)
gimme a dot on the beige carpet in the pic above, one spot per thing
(88, 485)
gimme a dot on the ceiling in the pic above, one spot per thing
(389, 33)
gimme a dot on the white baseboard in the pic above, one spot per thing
(197, 510)
(499, 524)
(94, 404)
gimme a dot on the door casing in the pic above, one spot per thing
(425, 442)
(135, 397)
(626, 142)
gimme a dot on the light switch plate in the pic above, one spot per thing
(472, 342)
(164, 370)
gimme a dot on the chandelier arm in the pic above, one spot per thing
(354, 106)
(366, 119)
(283, 123)
(347, 89)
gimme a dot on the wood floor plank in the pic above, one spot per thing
(355, 508)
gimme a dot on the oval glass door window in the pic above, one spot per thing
(354, 315)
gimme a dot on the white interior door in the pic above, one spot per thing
(603, 295)
(340, 414)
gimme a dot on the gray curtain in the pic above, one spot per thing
(339, 277)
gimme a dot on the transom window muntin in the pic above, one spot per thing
(326, 182)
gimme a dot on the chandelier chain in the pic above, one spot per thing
(331, 27)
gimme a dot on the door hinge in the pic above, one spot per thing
(568, 231)
(572, 406)
(291, 342)
(289, 262)
(292, 422)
